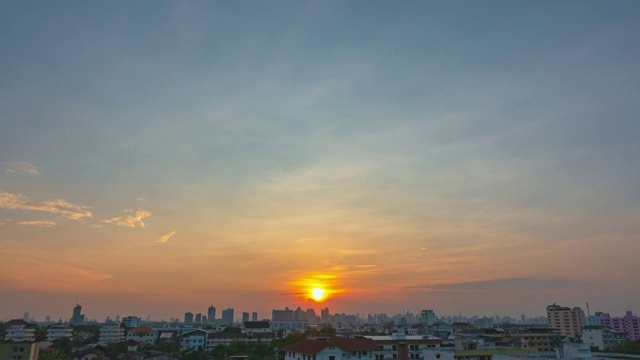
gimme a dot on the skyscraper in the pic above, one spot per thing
(245, 316)
(211, 314)
(227, 316)
(428, 317)
(188, 318)
(77, 318)
(254, 316)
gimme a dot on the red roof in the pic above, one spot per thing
(312, 347)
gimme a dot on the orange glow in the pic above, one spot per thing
(317, 287)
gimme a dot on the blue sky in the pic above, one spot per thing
(420, 145)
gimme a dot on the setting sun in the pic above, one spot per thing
(318, 294)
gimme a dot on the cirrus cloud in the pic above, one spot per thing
(135, 219)
(38, 223)
(21, 167)
(166, 237)
(58, 206)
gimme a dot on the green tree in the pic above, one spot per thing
(63, 345)
(629, 347)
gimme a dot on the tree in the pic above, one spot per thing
(63, 345)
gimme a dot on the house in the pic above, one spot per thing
(330, 349)
(603, 338)
(132, 345)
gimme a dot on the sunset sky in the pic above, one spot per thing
(478, 157)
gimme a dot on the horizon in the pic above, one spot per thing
(456, 156)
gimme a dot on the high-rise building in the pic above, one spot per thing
(254, 316)
(227, 316)
(77, 318)
(568, 321)
(245, 316)
(629, 323)
(198, 318)
(211, 314)
(188, 318)
(428, 317)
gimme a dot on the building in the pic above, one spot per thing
(254, 316)
(629, 323)
(541, 339)
(567, 321)
(23, 351)
(603, 338)
(193, 340)
(399, 346)
(143, 334)
(131, 321)
(111, 334)
(253, 327)
(245, 316)
(58, 331)
(593, 320)
(199, 318)
(227, 316)
(428, 317)
(188, 318)
(18, 331)
(222, 338)
(330, 349)
(77, 318)
(211, 314)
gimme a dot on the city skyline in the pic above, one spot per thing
(461, 156)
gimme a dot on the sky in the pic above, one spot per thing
(473, 157)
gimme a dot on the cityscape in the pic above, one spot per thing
(319, 179)
(564, 333)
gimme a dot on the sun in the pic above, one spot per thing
(318, 294)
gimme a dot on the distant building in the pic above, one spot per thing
(222, 338)
(630, 324)
(211, 314)
(198, 318)
(188, 318)
(227, 316)
(77, 318)
(428, 317)
(568, 321)
(131, 321)
(603, 337)
(399, 346)
(252, 327)
(193, 340)
(254, 316)
(593, 320)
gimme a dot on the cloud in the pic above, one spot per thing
(41, 223)
(133, 220)
(164, 238)
(21, 167)
(58, 206)
(141, 199)
(523, 283)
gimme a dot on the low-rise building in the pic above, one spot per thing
(22, 351)
(143, 334)
(193, 340)
(111, 334)
(18, 330)
(399, 346)
(256, 327)
(222, 338)
(131, 321)
(330, 349)
(58, 331)
(603, 338)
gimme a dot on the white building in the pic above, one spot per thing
(20, 333)
(58, 331)
(428, 317)
(143, 334)
(110, 334)
(221, 338)
(603, 337)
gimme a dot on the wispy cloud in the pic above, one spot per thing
(21, 167)
(134, 220)
(164, 238)
(526, 283)
(57, 206)
(41, 223)
(141, 199)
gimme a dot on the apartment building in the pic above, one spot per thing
(567, 321)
